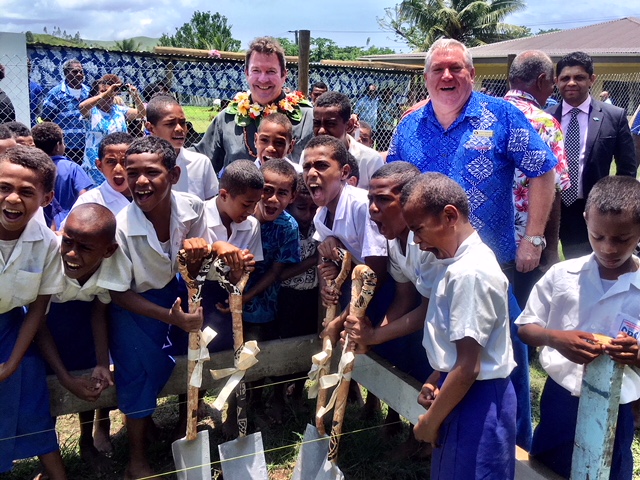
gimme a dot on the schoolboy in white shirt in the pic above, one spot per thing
(274, 139)
(166, 119)
(594, 294)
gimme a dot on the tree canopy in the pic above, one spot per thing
(473, 22)
(327, 49)
(205, 31)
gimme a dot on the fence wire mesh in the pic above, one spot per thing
(205, 85)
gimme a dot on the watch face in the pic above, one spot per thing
(537, 241)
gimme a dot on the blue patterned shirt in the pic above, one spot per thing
(62, 107)
(480, 151)
(281, 244)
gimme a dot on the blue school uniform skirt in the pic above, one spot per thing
(139, 349)
(26, 426)
(70, 326)
(477, 440)
(554, 436)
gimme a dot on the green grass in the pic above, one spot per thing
(200, 117)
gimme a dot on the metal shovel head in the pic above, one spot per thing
(243, 458)
(192, 457)
(329, 471)
(313, 453)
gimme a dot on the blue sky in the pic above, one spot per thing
(346, 22)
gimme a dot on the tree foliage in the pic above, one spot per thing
(59, 33)
(327, 49)
(419, 23)
(205, 31)
(128, 45)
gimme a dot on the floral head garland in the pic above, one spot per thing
(246, 112)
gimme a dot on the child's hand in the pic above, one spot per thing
(186, 321)
(360, 332)
(577, 346)
(195, 249)
(103, 377)
(332, 330)
(232, 255)
(623, 349)
(248, 260)
(5, 371)
(223, 307)
(428, 394)
(328, 247)
(426, 431)
(328, 270)
(329, 296)
(83, 388)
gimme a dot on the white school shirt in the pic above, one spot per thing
(368, 161)
(470, 299)
(352, 225)
(32, 269)
(297, 166)
(112, 274)
(411, 265)
(197, 176)
(104, 195)
(570, 296)
(243, 235)
(151, 267)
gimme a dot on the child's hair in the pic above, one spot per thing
(5, 132)
(615, 195)
(366, 126)
(18, 129)
(338, 150)
(240, 176)
(155, 89)
(154, 145)
(281, 167)
(115, 138)
(46, 136)
(33, 159)
(99, 217)
(158, 105)
(399, 172)
(353, 164)
(336, 99)
(432, 192)
(301, 187)
(279, 119)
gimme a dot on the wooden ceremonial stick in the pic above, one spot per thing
(363, 285)
(336, 285)
(194, 288)
(235, 304)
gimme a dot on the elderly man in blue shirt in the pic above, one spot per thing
(61, 106)
(478, 141)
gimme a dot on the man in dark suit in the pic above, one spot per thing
(595, 134)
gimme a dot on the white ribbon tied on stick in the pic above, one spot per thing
(319, 363)
(200, 355)
(245, 360)
(336, 379)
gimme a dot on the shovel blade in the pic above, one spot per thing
(313, 454)
(329, 471)
(192, 458)
(243, 458)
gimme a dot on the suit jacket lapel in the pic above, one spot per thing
(595, 121)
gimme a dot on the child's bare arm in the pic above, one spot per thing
(267, 279)
(455, 387)
(379, 267)
(32, 321)
(577, 346)
(136, 303)
(327, 248)
(299, 268)
(623, 349)
(83, 388)
(100, 329)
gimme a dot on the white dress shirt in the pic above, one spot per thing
(197, 176)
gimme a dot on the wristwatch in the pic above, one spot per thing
(536, 240)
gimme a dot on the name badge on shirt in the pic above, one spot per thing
(483, 133)
(629, 325)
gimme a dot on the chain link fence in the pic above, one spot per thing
(205, 85)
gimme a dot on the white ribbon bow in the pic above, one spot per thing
(335, 379)
(242, 361)
(200, 355)
(318, 363)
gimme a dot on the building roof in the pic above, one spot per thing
(619, 38)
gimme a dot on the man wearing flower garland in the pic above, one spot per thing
(231, 134)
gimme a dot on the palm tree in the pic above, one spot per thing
(128, 45)
(472, 22)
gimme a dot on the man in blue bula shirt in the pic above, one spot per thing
(478, 140)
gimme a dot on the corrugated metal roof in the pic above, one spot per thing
(608, 38)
